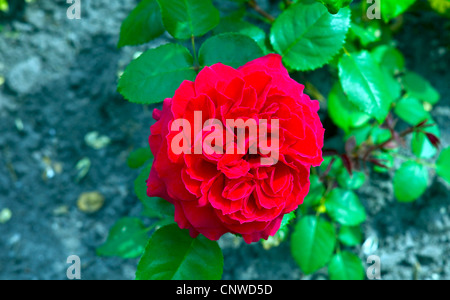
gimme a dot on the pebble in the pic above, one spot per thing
(90, 202)
(5, 215)
(24, 76)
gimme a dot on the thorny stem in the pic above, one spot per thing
(420, 161)
(365, 155)
(288, 3)
(262, 12)
(314, 92)
(196, 63)
(382, 145)
(346, 51)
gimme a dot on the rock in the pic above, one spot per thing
(5, 215)
(90, 202)
(35, 17)
(7, 103)
(391, 260)
(24, 76)
(431, 252)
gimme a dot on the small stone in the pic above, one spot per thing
(90, 202)
(83, 166)
(5, 215)
(61, 210)
(96, 141)
(24, 76)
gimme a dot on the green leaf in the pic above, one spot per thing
(367, 33)
(184, 19)
(420, 144)
(393, 85)
(142, 25)
(231, 49)
(126, 239)
(392, 63)
(420, 88)
(346, 266)
(308, 36)
(364, 84)
(351, 182)
(139, 157)
(389, 58)
(393, 8)
(156, 74)
(287, 218)
(350, 236)
(171, 254)
(411, 111)
(345, 208)
(410, 181)
(443, 165)
(380, 135)
(316, 190)
(361, 134)
(334, 6)
(154, 207)
(343, 113)
(232, 24)
(312, 243)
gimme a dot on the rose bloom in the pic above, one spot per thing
(218, 193)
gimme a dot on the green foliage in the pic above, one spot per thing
(308, 36)
(418, 87)
(351, 181)
(350, 236)
(389, 58)
(411, 111)
(334, 6)
(393, 8)
(232, 49)
(364, 83)
(313, 243)
(236, 25)
(316, 191)
(153, 207)
(343, 113)
(139, 157)
(421, 145)
(184, 19)
(172, 254)
(156, 74)
(346, 266)
(443, 165)
(373, 91)
(345, 208)
(4, 5)
(126, 239)
(142, 25)
(410, 181)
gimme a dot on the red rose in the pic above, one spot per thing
(215, 193)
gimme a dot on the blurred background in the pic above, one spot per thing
(65, 134)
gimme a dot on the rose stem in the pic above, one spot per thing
(261, 11)
(196, 63)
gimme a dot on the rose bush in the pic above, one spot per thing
(220, 193)
(376, 104)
